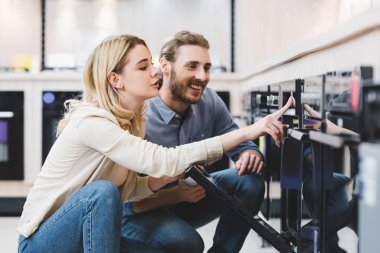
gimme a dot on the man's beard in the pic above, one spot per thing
(178, 88)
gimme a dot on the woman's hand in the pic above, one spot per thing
(270, 124)
(291, 103)
(313, 113)
(267, 125)
(331, 127)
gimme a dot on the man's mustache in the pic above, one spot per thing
(197, 82)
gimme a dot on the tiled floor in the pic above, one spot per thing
(253, 243)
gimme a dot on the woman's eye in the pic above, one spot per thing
(144, 68)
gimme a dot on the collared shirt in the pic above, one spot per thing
(208, 118)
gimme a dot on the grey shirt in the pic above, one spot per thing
(208, 118)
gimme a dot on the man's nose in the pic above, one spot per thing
(201, 75)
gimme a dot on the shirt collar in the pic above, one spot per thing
(165, 112)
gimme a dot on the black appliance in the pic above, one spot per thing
(12, 135)
(52, 112)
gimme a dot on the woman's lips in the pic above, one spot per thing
(155, 85)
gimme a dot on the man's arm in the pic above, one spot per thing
(247, 156)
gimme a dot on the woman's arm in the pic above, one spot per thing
(331, 127)
(157, 183)
(267, 125)
(131, 152)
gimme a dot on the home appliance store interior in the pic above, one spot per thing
(321, 182)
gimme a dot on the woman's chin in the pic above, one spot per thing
(152, 95)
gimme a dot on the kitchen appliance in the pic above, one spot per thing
(11, 135)
(52, 111)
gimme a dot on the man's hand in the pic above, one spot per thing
(189, 193)
(250, 162)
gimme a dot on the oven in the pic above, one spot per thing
(11, 135)
(52, 112)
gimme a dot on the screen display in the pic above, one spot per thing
(338, 91)
(3, 141)
(312, 97)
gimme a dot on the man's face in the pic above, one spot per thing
(190, 73)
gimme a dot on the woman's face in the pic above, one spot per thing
(139, 77)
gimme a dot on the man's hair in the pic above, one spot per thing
(169, 49)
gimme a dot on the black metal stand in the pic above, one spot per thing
(291, 185)
(324, 141)
(256, 223)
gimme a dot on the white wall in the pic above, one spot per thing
(265, 28)
(76, 26)
(20, 29)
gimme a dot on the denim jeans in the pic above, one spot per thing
(336, 202)
(89, 221)
(173, 228)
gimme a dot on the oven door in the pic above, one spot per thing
(11, 136)
(52, 112)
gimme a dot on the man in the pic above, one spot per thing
(187, 111)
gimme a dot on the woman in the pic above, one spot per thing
(75, 203)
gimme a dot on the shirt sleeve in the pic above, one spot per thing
(134, 153)
(224, 124)
(135, 188)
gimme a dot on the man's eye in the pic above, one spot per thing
(191, 66)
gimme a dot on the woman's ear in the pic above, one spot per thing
(114, 80)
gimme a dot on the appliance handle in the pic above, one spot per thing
(6, 114)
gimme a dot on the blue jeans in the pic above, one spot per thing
(89, 221)
(336, 202)
(173, 228)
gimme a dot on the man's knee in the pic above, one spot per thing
(185, 243)
(252, 187)
(251, 191)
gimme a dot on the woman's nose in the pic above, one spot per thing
(155, 72)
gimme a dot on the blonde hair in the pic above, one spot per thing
(109, 56)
